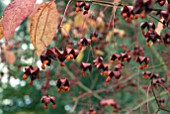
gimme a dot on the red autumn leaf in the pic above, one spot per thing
(14, 14)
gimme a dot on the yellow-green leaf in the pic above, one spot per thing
(79, 21)
(80, 56)
(159, 27)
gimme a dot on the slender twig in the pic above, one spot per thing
(85, 104)
(154, 95)
(153, 9)
(160, 58)
(99, 91)
(165, 89)
(157, 100)
(102, 2)
(158, 20)
(80, 84)
(65, 11)
(88, 56)
(34, 57)
(168, 1)
(104, 89)
(148, 98)
(151, 99)
(94, 82)
(157, 66)
(105, 5)
(164, 109)
(157, 111)
(36, 26)
(74, 106)
(45, 24)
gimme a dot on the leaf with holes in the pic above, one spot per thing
(14, 14)
(43, 25)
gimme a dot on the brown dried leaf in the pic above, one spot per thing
(14, 14)
(1, 30)
(115, 2)
(121, 33)
(99, 52)
(159, 27)
(43, 25)
(79, 21)
(100, 24)
(92, 23)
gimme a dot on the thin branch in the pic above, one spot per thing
(98, 91)
(153, 9)
(157, 66)
(157, 111)
(148, 98)
(157, 100)
(80, 84)
(154, 95)
(36, 26)
(151, 99)
(45, 25)
(165, 109)
(65, 11)
(158, 20)
(160, 58)
(102, 2)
